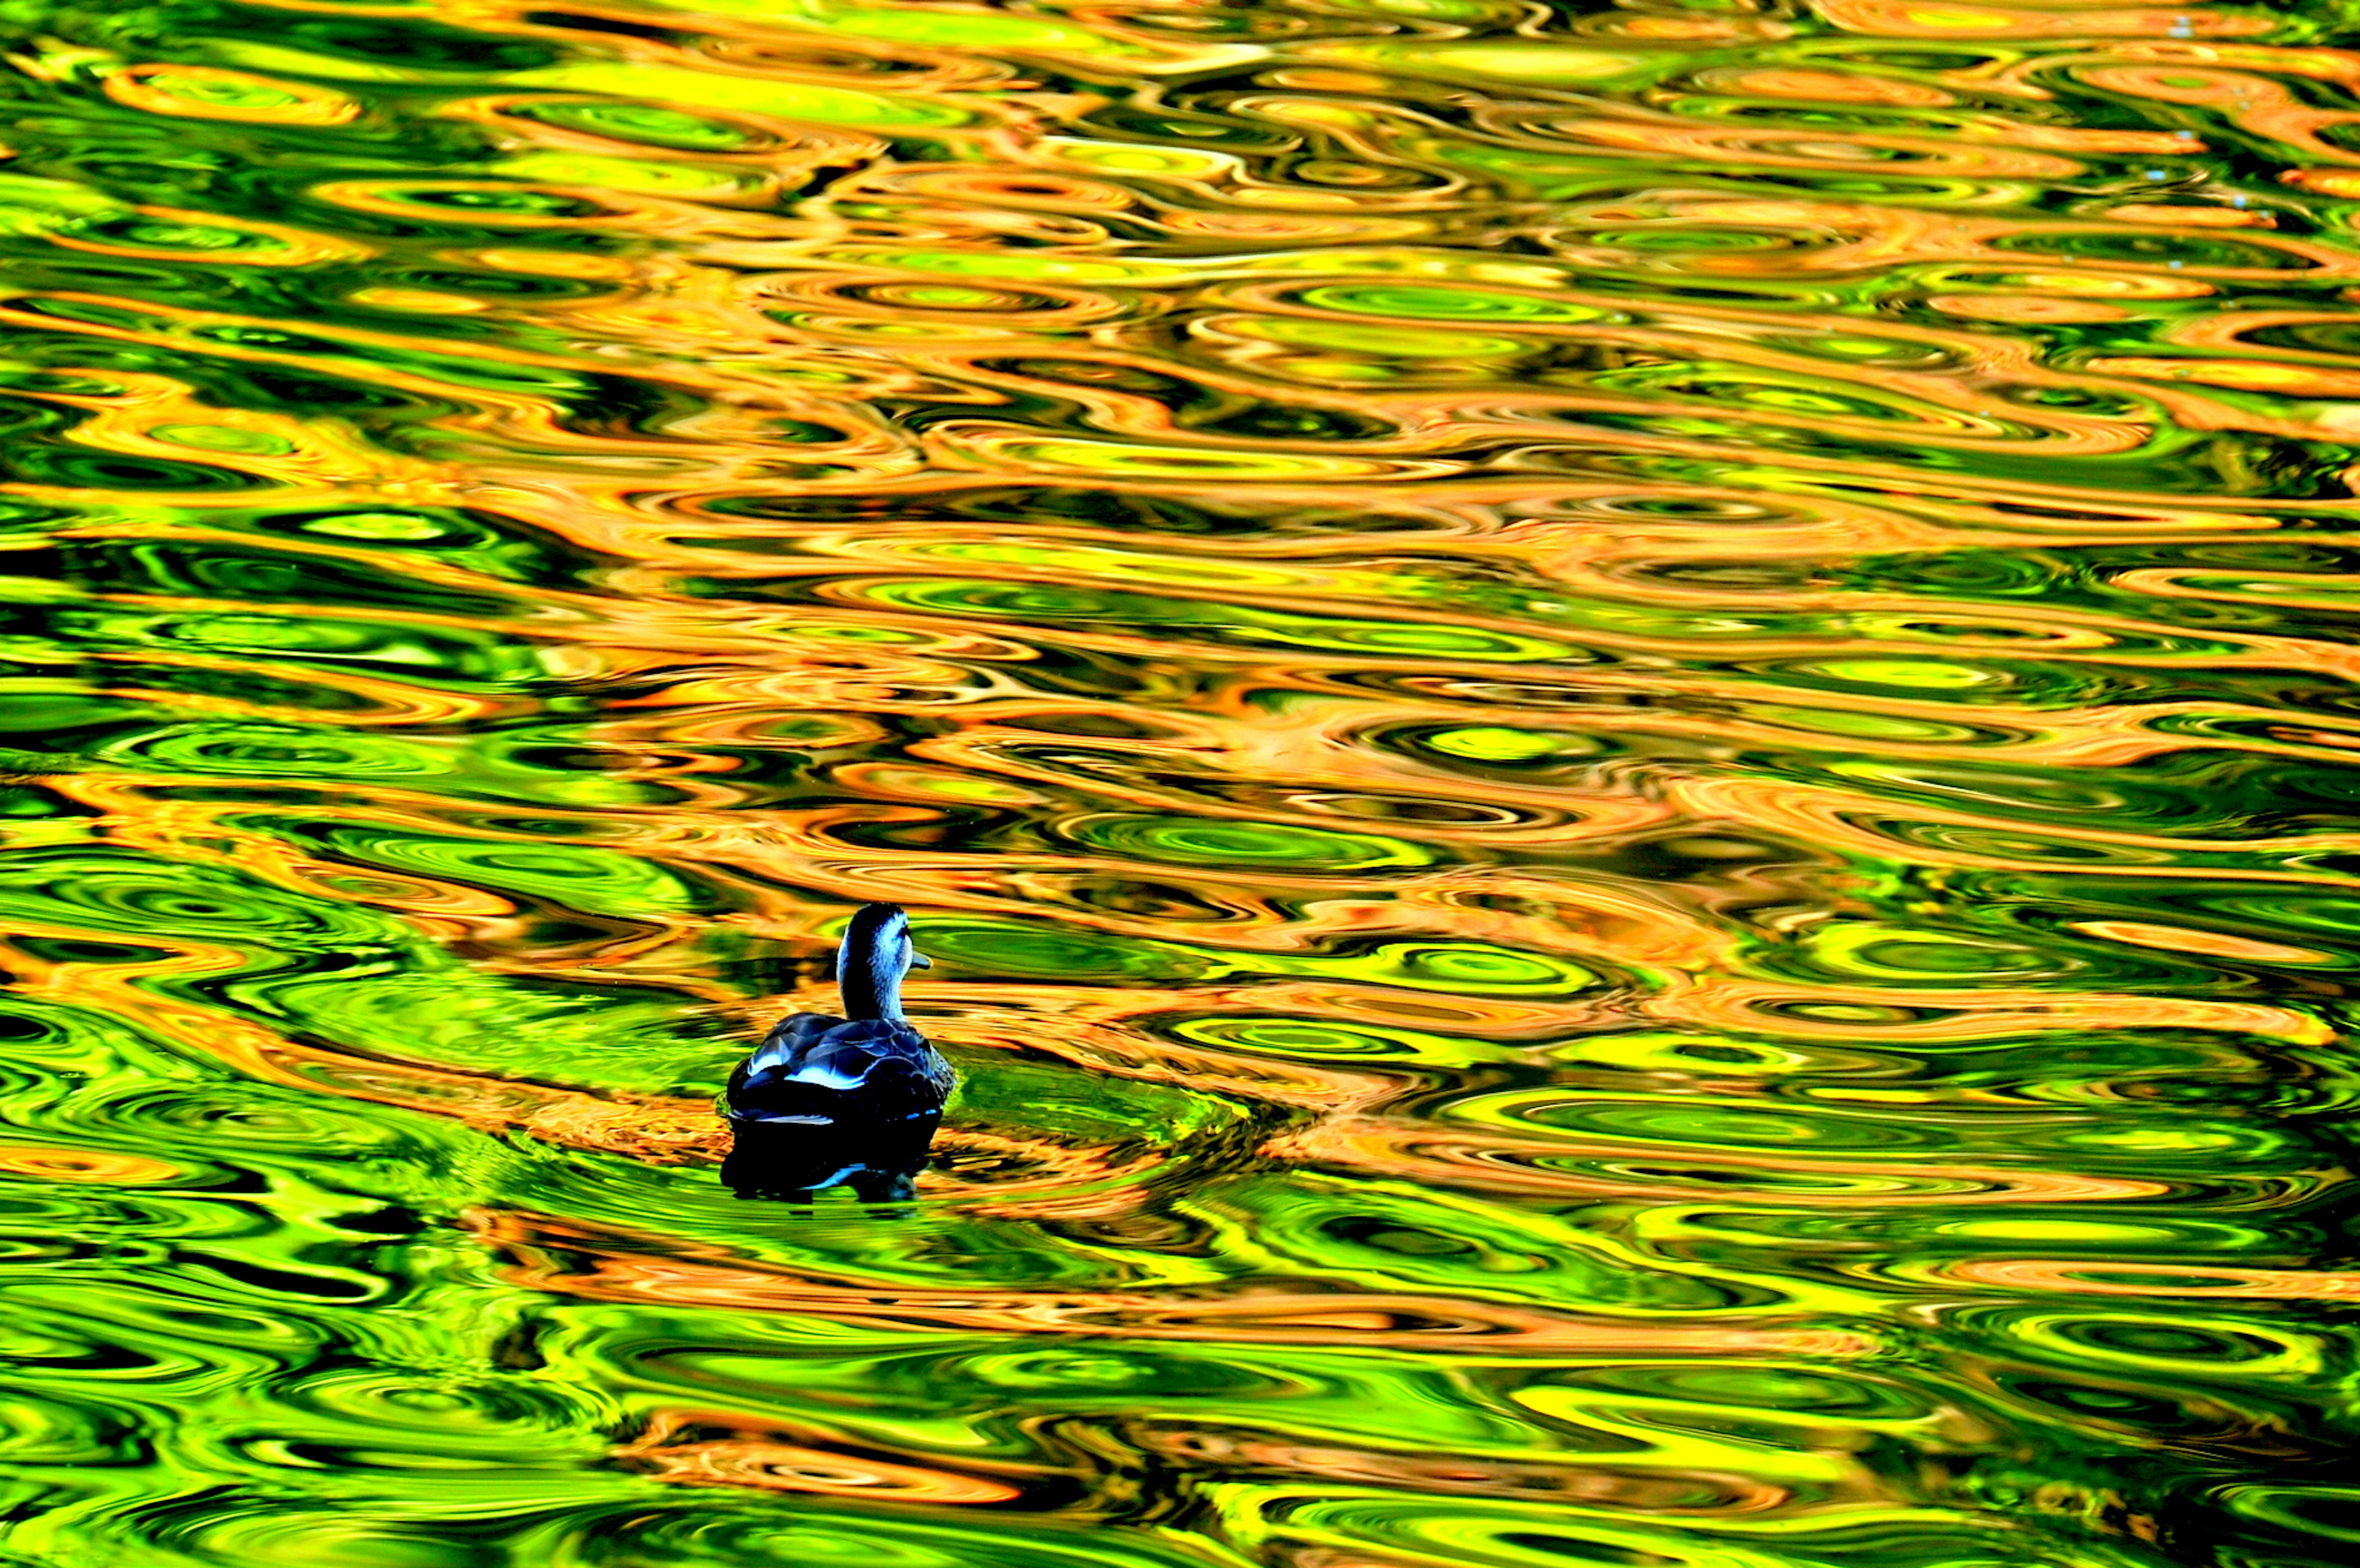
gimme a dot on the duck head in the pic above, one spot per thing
(874, 955)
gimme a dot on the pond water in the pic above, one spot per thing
(1625, 733)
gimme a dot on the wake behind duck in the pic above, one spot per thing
(852, 1101)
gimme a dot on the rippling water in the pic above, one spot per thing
(1625, 731)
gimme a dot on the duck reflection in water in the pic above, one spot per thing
(842, 1101)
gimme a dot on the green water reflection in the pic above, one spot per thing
(1625, 730)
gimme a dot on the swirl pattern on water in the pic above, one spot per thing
(1625, 731)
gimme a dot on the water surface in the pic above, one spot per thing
(1625, 734)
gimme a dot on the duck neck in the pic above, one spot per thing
(871, 985)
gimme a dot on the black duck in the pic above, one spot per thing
(848, 1094)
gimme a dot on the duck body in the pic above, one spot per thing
(869, 1070)
(816, 1069)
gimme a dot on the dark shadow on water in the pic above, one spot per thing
(794, 1162)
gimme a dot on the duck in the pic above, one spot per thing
(868, 1072)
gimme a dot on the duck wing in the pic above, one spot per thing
(818, 1067)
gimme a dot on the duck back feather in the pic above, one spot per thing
(817, 1069)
